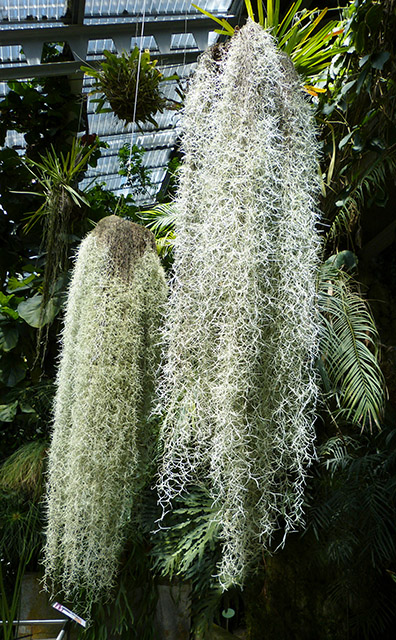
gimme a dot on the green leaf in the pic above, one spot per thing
(228, 613)
(4, 300)
(342, 260)
(346, 87)
(328, 108)
(8, 411)
(373, 17)
(12, 371)
(221, 21)
(35, 315)
(345, 139)
(379, 60)
(9, 335)
(362, 36)
(26, 408)
(363, 60)
(362, 76)
(14, 283)
(10, 312)
(358, 143)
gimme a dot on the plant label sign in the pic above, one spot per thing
(70, 614)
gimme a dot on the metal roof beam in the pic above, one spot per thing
(78, 36)
(77, 11)
(23, 71)
(104, 31)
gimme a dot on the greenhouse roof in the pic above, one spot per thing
(173, 31)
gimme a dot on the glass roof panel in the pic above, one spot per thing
(31, 11)
(176, 51)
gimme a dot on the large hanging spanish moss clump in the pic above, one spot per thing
(102, 447)
(238, 388)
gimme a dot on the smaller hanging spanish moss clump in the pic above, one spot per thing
(102, 447)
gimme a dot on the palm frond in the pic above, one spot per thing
(161, 220)
(296, 34)
(349, 350)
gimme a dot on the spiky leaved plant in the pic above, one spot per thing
(102, 446)
(238, 388)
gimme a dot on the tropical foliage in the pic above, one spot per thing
(358, 115)
(349, 357)
(58, 176)
(21, 484)
(296, 34)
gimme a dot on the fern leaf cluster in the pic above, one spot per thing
(349, 350)
(102, 444)
(238, 388)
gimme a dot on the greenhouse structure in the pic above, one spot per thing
(198, 319)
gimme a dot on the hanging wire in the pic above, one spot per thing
(136, 88)
(185, 34)
(135, 99)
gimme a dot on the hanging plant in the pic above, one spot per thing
(238, 389)
(103, 442)
(131, 84)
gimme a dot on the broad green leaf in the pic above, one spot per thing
(362, 37)
(345, 140)
(9, 335)
(378, 61)
(12, 371)
(26, 407)
(362, 76)
(10, 312)
(347, 86)
(374, 17)
(32, 312)
(15, 283)
(4, 300)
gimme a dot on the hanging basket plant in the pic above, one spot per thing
(103, 442)
(239, 385)
(131, 83)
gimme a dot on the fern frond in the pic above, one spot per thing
(349, 350)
